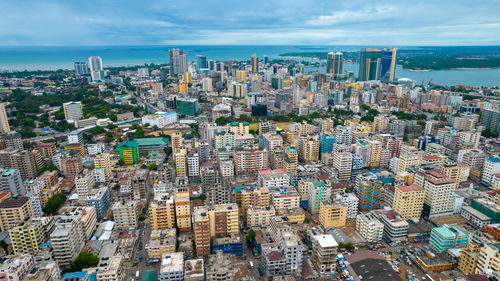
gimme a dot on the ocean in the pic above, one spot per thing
(53, 58)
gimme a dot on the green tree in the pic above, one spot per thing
(4, 246)
(153, 166)
(84, 260)
(250, 236)
(120, 162)
(55, 202)
(116, 187)
(367, 118)
(307, 220)
(142, 218)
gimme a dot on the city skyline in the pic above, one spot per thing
(91, 23)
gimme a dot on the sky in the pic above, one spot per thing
(254, 22)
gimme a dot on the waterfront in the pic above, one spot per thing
(53, 58)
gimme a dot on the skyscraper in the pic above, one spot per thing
(73, 110)
(96, 69)
(334, 63)
(369, 64)
(178, 61)
(255, 64)
(388, 70)
(4, 121)
(81, 69)
(201, 62)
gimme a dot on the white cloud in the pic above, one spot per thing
(348, 16)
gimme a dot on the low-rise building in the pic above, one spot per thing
(369, 227)
(172, 267)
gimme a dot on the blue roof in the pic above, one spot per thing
(45, 244)
(495, 159)
(93, 277)
(168, 113)
(79, 274)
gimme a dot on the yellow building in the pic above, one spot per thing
(380, 123)
(49, 192)
(332, 214)
(103, 161)
(241, 75)
(161, 242)
(224, 219)
(180, 163)
(77, 147)
(375, 148)
(457, 171)
(254, 197)
(183, 88)
(407, 161)
(183, 210)
(239, 128)
(188, 77)
(409, 201)
(27, 236)
(14, 211)
(294, 215)
(308, 148)
(489, 258)
(162, 212)
(467, 262)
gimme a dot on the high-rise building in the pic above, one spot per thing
(370, 63)
(183, 210)
(491, 167)
(332, 214)
(408, 201)
(67, 240)
(388, 68)
(334, 63)
(324, 254)
(73, 110)
(140, 184)
(447, 237)
(369, 227)
(27, 237)
(4, 121)
(102, 161)
(439, 191)
(319, 191)
(96, 68)
(201, 226)
(255, 64)
(201, 62)
(13, 211)
(178, 62)
(10, 181)
(369, 192)
(162, 211)
(126, 214)
(81, 69)
(23, 161)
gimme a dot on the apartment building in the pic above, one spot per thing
(182, 210)
(161, 243)
(447, 237)
(162, 211)
(259, 216)
(126, 214)
(67, 239)
(286, 198)
(14, 211)
(250, 160)
(439, 191)
(110, 269)
(27, 236)
(409, 201)
(273, 179)
(201, 227)
(103, 161)
(21, 160)
(172, 267)
(369, 227)
(332, 214)
(324, 254)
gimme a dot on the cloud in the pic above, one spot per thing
(258, 22)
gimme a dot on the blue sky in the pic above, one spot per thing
(256, 22)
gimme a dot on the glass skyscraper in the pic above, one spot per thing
(388, 70)
(201, 62)
(334, 63)
(370, 64)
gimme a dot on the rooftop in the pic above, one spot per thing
(326, 240)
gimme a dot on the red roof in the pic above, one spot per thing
(413, 187)
(3, 194)
(275, 256)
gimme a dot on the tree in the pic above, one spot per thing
(488, 133)
(84, 260)
(4, 246)
(116, 187)
(367, 118)
(307, 220)
(55, 202)
(120, 162)
(153, 166)
(142, 218)
(250, 236)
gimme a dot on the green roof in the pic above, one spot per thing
(152, 141)
(319, 183)
(236, 123)
(149, 275)
(127, 144)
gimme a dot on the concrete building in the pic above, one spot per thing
(332, 214)
(162, 212)
(395, 227)
(342, 161)
(172, 267)
(73, 111)
(219, 267)
(14, 211)
(27, 236)
(84, 183)
(409, 201)
(23, 161)
(10, 181)
(447, 237)
(4, 120)
(259, 216)
(161, 243)
(286, 198)
(351, 201)
(324, 254)
(469, 256)
(273, 179)
(369, 227)
(250, 160)
(99, 199)
(489, 258)
(126, 214)
(141, 184)
(182, 210)
(194, 270)
(103, 161)
(16, 267)
(491, 167)
(68, 239)
(201, 226)
(110, 269)
(439, 191)
(320, 191)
